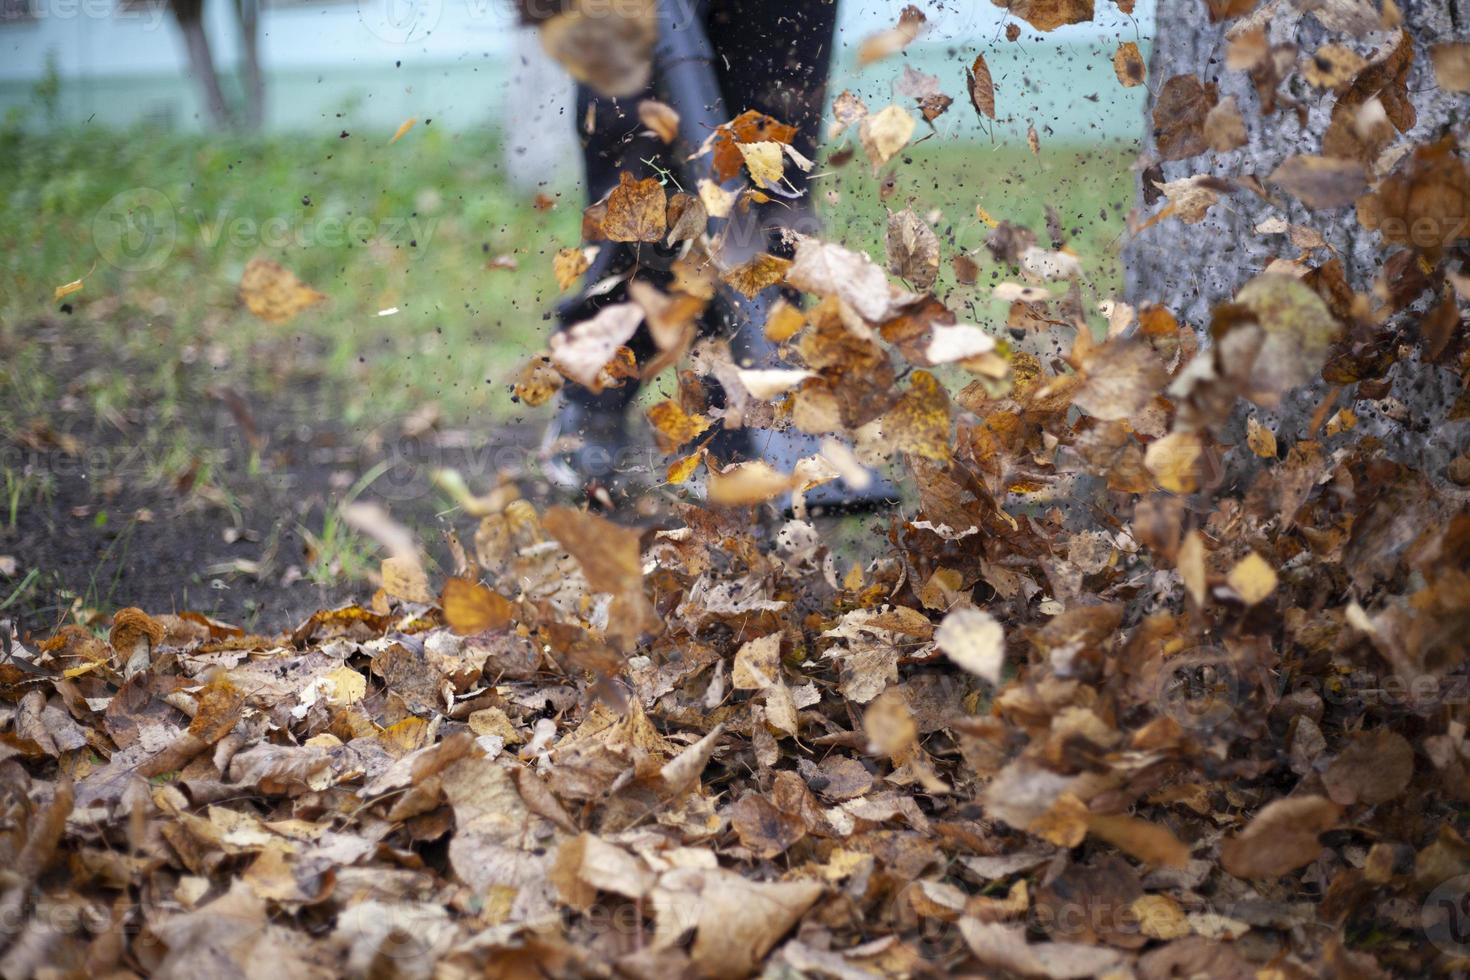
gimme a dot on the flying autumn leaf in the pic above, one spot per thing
(583, 350)
(659, 117)
(982, 88)
(911, 22)
(403, 129)
(884, 133)
(272, 292)
(1128, 65)
(637, 210)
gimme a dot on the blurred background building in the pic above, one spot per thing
(466, 63)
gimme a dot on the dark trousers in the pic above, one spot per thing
(772, 56)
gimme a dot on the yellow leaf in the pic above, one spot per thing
(681, 470)
(1191, 564)
(273, 293)
(673, 427)
(783, 322)
(407, 125)
(885, 133)
(1252, 579)
(469, 607)
(743, 484)
(1174, 461)
(1261, 440)
(66, 289)
(404, 577)
(919, 423)
(568, 266)
(759, 272)
(765, 161)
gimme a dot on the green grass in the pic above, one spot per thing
(149, 345)
(435, 210)
(439, 210)
(1090, 189)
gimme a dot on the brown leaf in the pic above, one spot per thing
(609, 48)
(760, 272)
(1280, 838)
(659, 117)
(1321, 182)
(1148, 842)
(876, 47)
(982, 88)
(1179, 115)
(913, 249)
(583, 350)
(1128, 65)
(636, 210)
(1451, 61)
(1048, 15)
(1376, 767)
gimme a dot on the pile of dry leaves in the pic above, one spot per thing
(1120, 699)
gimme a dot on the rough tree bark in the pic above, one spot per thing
(1191, 268)
(190, 17)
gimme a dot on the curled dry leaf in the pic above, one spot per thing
(913, 249)
(766, 383)
(659, 117)
(1048, 15)
(609, 48)
(583, 350)
(831, 270)
(981, 87)
(1321, 182)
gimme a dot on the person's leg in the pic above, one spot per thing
(774, 56)
(595, 424)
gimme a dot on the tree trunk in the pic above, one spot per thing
(190, 16)
(1190, 269)
(248, 13)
